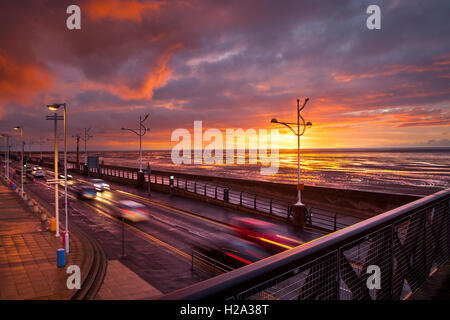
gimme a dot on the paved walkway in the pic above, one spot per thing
(28, 267)
(123, 284)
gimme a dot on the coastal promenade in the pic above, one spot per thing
(404, 220)
(28, 262)
(28, 268)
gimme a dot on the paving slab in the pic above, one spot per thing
(121, 283)
(28, 267)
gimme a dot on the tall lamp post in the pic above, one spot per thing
(55, 107)
(6, 136)
(140, 132)
(87, 136)
(301, 127)
(21, 143)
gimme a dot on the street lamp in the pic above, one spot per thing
(87, 136)
(6, 136)
(21, 142)
(55, 107)
(142, 131)
(301, 127)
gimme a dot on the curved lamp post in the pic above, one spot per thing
(21, 142)
(6, 136)
(140, 132)
(55, 107)
(301, 127)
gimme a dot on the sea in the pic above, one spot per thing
(418, 171)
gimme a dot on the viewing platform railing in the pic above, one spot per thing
(406, 245)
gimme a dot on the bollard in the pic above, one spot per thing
(65, 240)
(25, 197)
(60, 258)
(52, 225)
(226, 196)
(35, 208)
(30, 202)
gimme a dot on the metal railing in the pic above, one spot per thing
(207, 264)
(271, 207)
(407, 244)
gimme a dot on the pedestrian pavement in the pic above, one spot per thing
(28, 268)
(123, 284)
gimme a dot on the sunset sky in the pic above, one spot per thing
(231, 64)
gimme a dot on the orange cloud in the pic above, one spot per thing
(120, 10)
(155, 78)
(19, 81)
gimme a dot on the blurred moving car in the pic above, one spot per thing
(231, 251)
(69, 177)
(132, 211)
(100, 185)
(85, 192)
(36, 168)
(39, 174)
(264, 234)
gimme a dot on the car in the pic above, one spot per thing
(133, 211)
(36, 168)
(100, 185)
(85, 192)
(69, 177)
(229, 252)
(264, 234)
(39, 174)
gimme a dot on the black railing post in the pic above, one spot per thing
(254, 203)
(195, 186)
(270, 209)
(205, 189)
(215, 193)
(335, 222)
(240, 198)
(225, 195)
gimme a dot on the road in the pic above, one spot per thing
(158, 250)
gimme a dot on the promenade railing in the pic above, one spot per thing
(326, 220)
(386, 257)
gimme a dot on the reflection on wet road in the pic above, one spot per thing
(159, 248)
